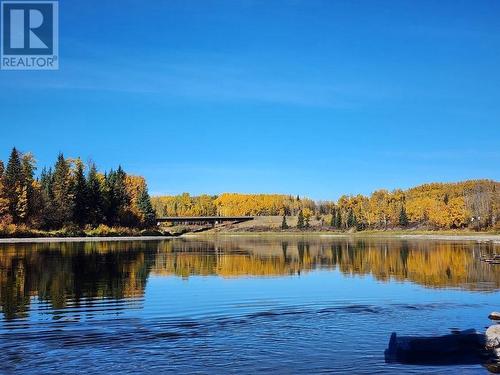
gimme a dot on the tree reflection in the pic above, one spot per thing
(82, 273)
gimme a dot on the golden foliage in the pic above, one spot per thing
(439, 205)
(61, 272)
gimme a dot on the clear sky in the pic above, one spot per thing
(308, 97)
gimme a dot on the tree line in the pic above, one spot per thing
(230, 204)
(70, 194)
(469, 204)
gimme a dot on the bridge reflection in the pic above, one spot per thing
(62, 273)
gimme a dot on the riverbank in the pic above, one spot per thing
(81, 239)
(372, 234)
(102, 231)
(446, 236)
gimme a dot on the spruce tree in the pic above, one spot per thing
(4, 202)
(300, 220)
(284, 224)
(116, 197)
(62, 190)
(403, 217)
(338, 219)
(351, 220)
(94, 197)
(146, 208)
(47, 198)
(13, 183)
(80, 206)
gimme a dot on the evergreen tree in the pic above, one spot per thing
(284, 224)
(146, 208)
(4, 202)
(338, 219)
(403, 217)
(13, 183)
(116, 197)
(63, 193)
(80, 206)
(351, 220)
(47, 197)
(94, 197)
(300, 220)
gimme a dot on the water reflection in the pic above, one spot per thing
(62, 274)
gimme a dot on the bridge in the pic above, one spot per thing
(203, 220)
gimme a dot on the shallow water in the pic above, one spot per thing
(236, 305)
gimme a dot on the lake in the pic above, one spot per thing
(282, 305)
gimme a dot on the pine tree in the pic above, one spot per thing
(80, 206)
(116, 197)
(4, 202)
(300, 220)
(338, 219)
(62, 190)
(284, 224)
(403, 217)
(47, 199)
(146, 208)
(94, 197)
(13, 183)
(351, 220)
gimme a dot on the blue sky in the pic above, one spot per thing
(308, 97)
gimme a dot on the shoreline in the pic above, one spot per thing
(82, 239)
(480, 237)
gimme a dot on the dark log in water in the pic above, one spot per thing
(465, 347)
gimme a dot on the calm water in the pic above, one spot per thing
(235, 305)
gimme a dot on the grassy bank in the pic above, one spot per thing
(103, 231)
(447, 235)
(13, 231)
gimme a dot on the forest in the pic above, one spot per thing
(70, 196)
(473, 204)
